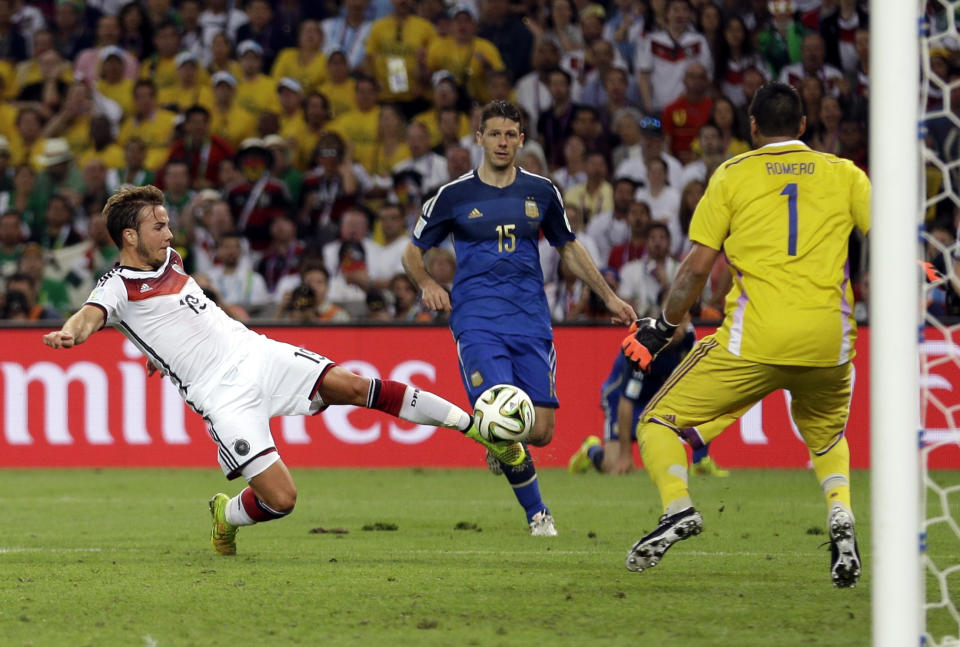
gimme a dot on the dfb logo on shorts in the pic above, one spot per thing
(241, 447)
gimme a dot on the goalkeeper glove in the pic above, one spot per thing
(647, 338)
(933, 275)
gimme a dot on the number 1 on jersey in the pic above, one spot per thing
(791, 192)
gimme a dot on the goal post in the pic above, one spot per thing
(895, 561)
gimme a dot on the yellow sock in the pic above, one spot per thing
(833, 472)
(666, 461)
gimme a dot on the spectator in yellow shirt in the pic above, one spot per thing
(304, 63)
(340, 88)
(189, 89)
(292, 123)
(468, 57)
(397, 56)
(151, 124)
(256, 92)
(161, 66)
(228, 118)
(27, 143)
(359, 127)
(316, 113)
(112, 82)
(444, 96)
(102, 145)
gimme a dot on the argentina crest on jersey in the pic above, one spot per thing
(530, 207)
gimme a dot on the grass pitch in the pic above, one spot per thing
(117, 557)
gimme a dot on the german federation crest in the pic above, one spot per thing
(530, 208)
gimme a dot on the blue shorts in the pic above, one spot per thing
(488, 358)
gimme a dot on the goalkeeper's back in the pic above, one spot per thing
(783, 214)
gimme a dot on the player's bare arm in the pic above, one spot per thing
(688, 284)
(577, 259)
(433, 296)
(83, 323)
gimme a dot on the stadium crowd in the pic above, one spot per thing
(296, 141)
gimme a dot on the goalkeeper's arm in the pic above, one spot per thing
(650, 336)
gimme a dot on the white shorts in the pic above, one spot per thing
(273, 379)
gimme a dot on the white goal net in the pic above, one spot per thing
(939, 349)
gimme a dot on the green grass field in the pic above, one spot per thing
(118, 557)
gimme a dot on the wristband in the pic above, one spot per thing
(665, 326)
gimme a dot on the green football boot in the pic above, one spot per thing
(223, 536)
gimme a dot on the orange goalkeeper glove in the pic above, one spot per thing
(933, 275)
(647, 338)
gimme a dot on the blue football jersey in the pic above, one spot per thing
(498, 284)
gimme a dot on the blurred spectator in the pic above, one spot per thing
(385, 260)
(133, 170)
(459, 162)
(108, 41)
(391, 142)
(550, 258)
(603, 59)
(736, 55)
(610, 227)
(532, 89)
(826, 137)
(220, 16)
(330, 188)
(201, 150)
(11, 242)
(713, 153)
(234, 277)
(72, 121)
(20, 300)
(212, 219)
(260, 30)
(596, 194)
(853, 141)
(136, 32)
(638, 219)
(161, 66)
(348, 33)
(305, 63)
(683, 117)
(567, 296)
(689, 199)
(346, 259)
(26, 143)
(317, 123)
(70, 30)
(177, 193)
(101, 251)
(282, 167)
(28, 20)
(394, 58)
(839, 30)
(587, 126)
(359, 127)
(227, 117)
(405, 300)
(191, 87)
(625, 124)
(780, 42)
(733, 135)
(377, 307)
(709, 23)
(260, 198)
(13, 46)
(441, 264)
(47, 297)
(812, 63)
(616, 88)
(152, 125)
(554, 124)
(292, 122)
(102, 145)
(664, 55)
(57, 230)
(256, 91)
(6, 171)
(308, 302)
(508, 33)
(651, 148)
(191, 33)
(46, 91)
(427, 165)
(96, 190)
(467, 57)
(862, 75)
(664, 200)
(220, 57)
(444, 96)
(22, 199)
(574, 171)
(644, 281)
(59, 174)
(340, 88)
(282, 256)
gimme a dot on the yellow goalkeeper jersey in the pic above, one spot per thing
(783, 214)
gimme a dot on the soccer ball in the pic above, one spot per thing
(504, 412)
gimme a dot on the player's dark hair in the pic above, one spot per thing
(777, 108)
(123, 209)
(501, 109)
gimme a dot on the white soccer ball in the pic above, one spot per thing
(504, 412)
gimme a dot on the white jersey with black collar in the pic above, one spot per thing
(165, 313)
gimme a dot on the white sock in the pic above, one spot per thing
(425, 408)
(236, 515)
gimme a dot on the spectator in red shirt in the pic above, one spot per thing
(260, 198)
(683, 117)
(201, 150)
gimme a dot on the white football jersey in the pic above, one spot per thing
(166, 315)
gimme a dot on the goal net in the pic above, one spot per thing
(938, 216)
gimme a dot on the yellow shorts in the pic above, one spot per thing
(711, 387)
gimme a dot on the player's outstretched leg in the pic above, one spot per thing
(590, 453)
(523, 479)
(223, 535)
(672, 528)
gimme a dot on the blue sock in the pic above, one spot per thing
(595, 454)
(523, 478)
(700, 454)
